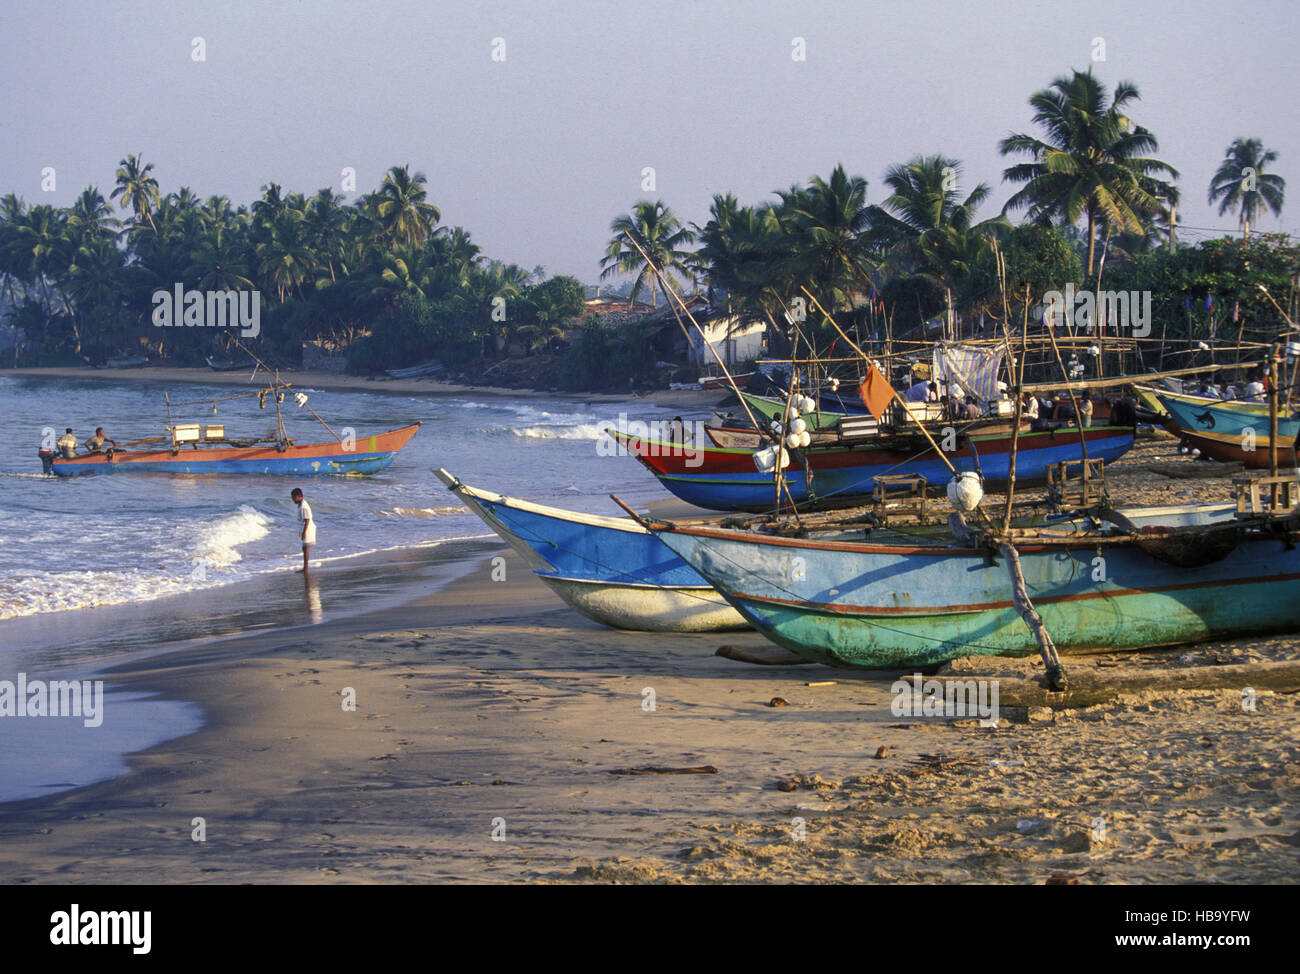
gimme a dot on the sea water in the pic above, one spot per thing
(95, 569)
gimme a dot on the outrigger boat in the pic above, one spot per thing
(193, 448)
(209, 451)
(729, 479)
(1172, 575)
(610, 569)
(1228, 430)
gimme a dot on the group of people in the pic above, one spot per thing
(956, 408)
(68, 442)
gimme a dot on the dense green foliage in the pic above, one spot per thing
(379, 280)
(376, 277)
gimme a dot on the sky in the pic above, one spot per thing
(534, 122)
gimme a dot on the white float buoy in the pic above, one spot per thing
(965, 491)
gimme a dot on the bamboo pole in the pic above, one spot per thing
(672, 293)
(1074, 403)
(937, 449)
(1272, 419)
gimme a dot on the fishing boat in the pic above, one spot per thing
(742, 437)
(610, 569)
(125, 362)
(772, 408)
(414, 371)
(728, 479)
(194, 448)
(720, 381)
(220, 364)
(206, 450)
(1231, 430)
(1147, 577)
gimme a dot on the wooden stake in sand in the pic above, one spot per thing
(1054, 676)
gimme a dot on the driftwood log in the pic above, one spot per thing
(762, 655)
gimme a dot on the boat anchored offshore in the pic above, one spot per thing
(194, 448)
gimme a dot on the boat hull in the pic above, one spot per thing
(1227, 419)
(610, 570)
(773, 409)
(371, 454)
(1230, 449)
(726, 479)
(890, 607)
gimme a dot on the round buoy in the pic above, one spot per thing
(965, 491)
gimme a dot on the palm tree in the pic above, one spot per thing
(137, 188)
(1253, 192)
(1093, 162)
(90, 217)
(285, 259)
(326, 224)
(658, 232)
(927, 226)
(404, 213)
(829, 220)
(220, 261)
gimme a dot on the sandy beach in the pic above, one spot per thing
(489, 708)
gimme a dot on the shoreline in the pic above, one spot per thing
(488, 707)
(702, 399)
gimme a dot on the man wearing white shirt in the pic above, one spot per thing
(308, 532)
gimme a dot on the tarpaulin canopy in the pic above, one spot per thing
(969, 369)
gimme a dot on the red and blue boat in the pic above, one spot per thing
(216, 454)
(728, 479)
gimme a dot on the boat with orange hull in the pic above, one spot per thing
(1227, 448)
(215, 454)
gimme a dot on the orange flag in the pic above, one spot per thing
(876, 392)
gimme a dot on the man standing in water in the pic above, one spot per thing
(308, 532)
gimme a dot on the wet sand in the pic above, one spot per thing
(490, 707)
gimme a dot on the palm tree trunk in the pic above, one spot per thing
(1092, 239)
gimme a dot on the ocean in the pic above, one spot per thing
(97, 569)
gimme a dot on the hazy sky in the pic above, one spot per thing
(537, 153)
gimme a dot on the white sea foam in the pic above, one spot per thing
(216, 544)
(422, 511)
(191, 558)
(580, 431)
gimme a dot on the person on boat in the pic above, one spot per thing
(1085, 410)
(919, 392)
(972, 408)
(67, 444)
(1031, 407)
(96, 443)
(308, 532)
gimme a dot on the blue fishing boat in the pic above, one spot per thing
(1231, 430)
(610, 569)
(1167, 576)
(728, 479)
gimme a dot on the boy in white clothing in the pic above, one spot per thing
(308, 533)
